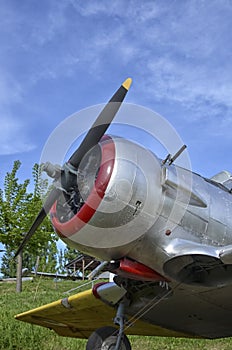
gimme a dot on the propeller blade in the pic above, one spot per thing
(52, 197)
(101, 124)
(92, 138)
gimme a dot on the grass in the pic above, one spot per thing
(15, 335)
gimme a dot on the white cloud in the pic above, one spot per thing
(188, 84)
(10, 89)
(12, 131)
(13, 138)
(181, 51)
(54, 22)
(132, 10)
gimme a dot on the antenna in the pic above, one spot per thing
(171, 159)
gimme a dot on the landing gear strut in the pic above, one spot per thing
(110, 338)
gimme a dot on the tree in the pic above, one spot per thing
(49, 259)
(8, 267)
(70, 254)
(18, 209)
(61, 262)
(13, 200)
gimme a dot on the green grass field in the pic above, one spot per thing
(16, 335)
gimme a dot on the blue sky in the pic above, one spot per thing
(58, 57)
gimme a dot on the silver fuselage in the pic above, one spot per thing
(165, 217)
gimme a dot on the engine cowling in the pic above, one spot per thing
(118, 197)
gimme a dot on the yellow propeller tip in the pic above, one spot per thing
(127, 83)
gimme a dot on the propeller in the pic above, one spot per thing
(92, 138)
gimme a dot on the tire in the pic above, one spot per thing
(105, 338)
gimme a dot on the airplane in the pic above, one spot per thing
(164, 231)
(57, 275)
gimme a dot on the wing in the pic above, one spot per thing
(155, 309)
(81, 314)
(197, 311)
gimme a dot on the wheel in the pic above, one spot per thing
(105, 338)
